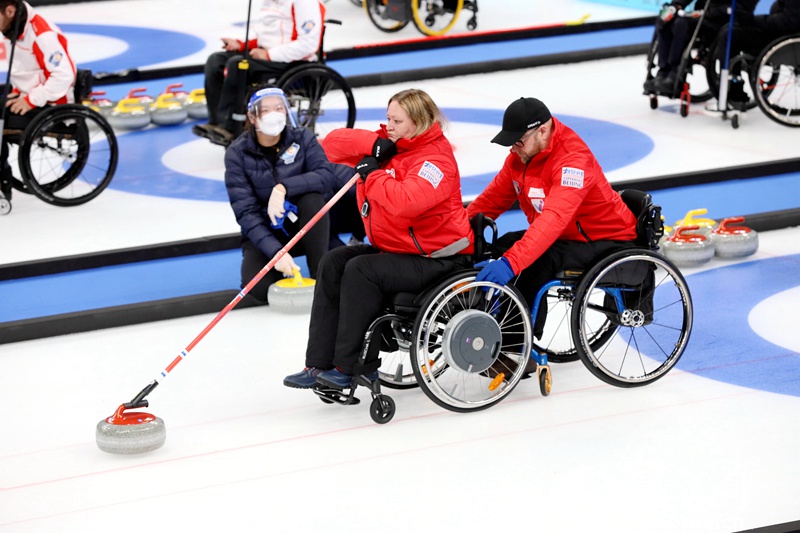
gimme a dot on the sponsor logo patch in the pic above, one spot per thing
(516, 187)
(431, 172)
(290, 154)
(572, 177)
(534, 192)
(308, 26)
(538, 204)
(55, 58)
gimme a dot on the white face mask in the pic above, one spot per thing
(272, 123)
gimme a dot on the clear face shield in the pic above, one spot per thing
(269, 100)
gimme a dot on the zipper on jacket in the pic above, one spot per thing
(414, 238)
(580, 230)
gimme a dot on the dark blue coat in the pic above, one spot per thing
(250, 177)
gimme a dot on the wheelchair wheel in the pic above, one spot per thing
(460, 331)
(776, 79)
(435, 17)
(395, 371)
(68, 155)
(556, 341)
(646, 296)
(380, 15)
(320, 98)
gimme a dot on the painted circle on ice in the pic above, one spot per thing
(737, 335)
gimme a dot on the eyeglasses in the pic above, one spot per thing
(521, 141)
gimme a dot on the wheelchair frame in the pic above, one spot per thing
(628, 319)
(430, 17)
(311, 88)
(693, 56)
(67, 154)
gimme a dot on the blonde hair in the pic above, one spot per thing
(420, 108)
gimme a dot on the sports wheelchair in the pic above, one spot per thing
(693, 66)
(431, 17)
(66, 155)
(769, 79)
(466, 343)
(318, 96)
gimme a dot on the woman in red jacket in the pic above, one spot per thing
(410, 201)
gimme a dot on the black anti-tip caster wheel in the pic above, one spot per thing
(472, 24)
(653, 101)
(735, 122)
(545, 381)
(382, 409)
(5, 206)
(684, 109)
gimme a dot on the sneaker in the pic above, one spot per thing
(305, 379)
(335, 378)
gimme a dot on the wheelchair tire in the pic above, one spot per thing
(460, 332)
(652, 307)
(320, 98)
(68, 155)
(776, 79)
(432, 18)
(377, 14)
(382, 409)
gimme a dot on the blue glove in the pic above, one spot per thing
(498, 271)
(290, 210)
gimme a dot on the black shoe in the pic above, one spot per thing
(665, 86)
(215, 134)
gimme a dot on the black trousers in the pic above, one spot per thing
(674, 37)
(313, 245)
(562, 255)
(225, 94)
(353, 285)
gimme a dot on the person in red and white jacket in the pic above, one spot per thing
(289, 30)
(43, 72)
(409, 196)
(574, 215)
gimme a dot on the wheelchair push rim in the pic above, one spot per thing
(459, 335)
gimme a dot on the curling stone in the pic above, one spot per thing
(130, 433)
(706, 225)
(688, 249)
(195, 104)
(104, 106)
(292, 295)
(129, 114)
(139, 94)
(167, 110)
(734, 241)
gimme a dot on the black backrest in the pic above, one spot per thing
(649, 227)
(83, 84)
(483, 250)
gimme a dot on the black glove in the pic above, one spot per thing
(383, 150)
(366, 165)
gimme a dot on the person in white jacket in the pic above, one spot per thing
(289, 30)
(43, 73)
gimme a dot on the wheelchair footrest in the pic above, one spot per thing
(337, 395)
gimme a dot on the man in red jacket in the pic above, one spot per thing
(575, 216)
